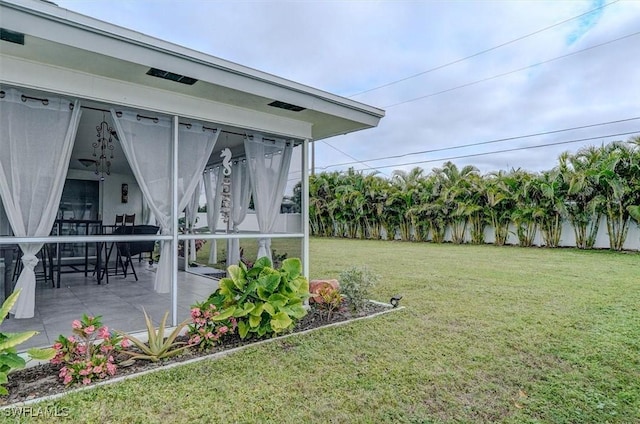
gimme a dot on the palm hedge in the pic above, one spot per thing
(415, 206)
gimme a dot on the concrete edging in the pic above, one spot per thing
(216, 355)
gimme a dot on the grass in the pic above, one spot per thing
(292, 247)
(489, 334)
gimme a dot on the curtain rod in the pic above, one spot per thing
(155, 119)
(24, 99)
(45, 102)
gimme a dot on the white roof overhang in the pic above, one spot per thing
(72, 54)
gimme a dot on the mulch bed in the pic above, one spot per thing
(42, 380)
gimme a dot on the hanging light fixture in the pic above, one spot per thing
(103, 148)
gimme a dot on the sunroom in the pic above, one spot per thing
(112, 141)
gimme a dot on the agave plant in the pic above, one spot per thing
(9, 358)
(157, 347)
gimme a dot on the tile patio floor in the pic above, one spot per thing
(120, 303)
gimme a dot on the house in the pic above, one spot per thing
(99, 121)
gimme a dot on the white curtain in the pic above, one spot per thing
(36, 141)
(213, 192)
(147, 214)
(191, 216)
(240, 196)
(147, 144)
(268, 163)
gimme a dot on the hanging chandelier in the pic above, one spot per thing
(102, 150)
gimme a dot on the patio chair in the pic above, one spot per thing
(130, 219)
(125, 250)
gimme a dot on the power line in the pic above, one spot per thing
(348, 155)
(482, 52)
(461, 146)
(510, 72)
(508, 150)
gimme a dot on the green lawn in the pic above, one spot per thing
(488, 335)
(292, 247)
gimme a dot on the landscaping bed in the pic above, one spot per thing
(42, 380)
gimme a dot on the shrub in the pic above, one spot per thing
(199, 244)
(328, 299)
(265, 301)
(83, 357)
(356, 284)
(9, 358)
(203, 331)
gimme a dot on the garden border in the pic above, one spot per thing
(215, 355)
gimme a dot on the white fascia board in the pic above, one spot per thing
(60, 25)
(63, 81)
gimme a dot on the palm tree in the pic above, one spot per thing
(584, 204)
(616, 173)
(458, 195)
(375, 195)
(403, 197)
(552, 205)
(498, 205)
(526, 195)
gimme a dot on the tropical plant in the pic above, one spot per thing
(203, 331)
(356, 284)
(584, 203)
(634, 213)
(595, 182)
(499, 204)
(616, 173)
(527, 213)
(552, 205)
(9, 358)
(88, 354)
(157, 347)
(457, 193)
(328, 299)
(265, 301)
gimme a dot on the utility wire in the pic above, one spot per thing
(470, 57)
(511, 72)
(461, 146)
(348, 155)
(483, 51)
(508, 150)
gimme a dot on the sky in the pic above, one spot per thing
(544, 69)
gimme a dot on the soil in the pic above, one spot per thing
(42, 380)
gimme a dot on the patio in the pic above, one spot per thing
(120, 302)
(92, 130)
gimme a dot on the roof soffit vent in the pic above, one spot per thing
(286, 106)
(154, 72)
(11, 36)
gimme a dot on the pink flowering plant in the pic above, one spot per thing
(203, 331)
(89, 353)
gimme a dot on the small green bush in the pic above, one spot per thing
(264, 301)
(356, 284)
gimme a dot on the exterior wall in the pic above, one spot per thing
(286, 223)
(111, 194)
(567, 238)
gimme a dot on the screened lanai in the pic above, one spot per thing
(99, 122)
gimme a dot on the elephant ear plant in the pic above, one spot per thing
(263, 300)
(9, 358)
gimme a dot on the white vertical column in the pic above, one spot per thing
(174, 217)
(305, 207)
